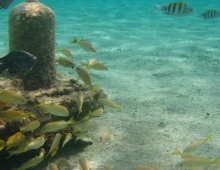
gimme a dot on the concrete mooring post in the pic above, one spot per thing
(32, 29)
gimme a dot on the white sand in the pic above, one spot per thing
(163, 70)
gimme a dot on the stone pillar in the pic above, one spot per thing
(32, 29)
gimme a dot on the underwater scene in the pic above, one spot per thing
(109, 85)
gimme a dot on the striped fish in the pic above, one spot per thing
(210, 14)
(176, 9)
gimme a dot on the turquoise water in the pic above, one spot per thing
(164, 70)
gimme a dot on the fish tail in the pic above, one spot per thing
(159, 8)
(72, 120)
(74, 40)
(217, 161)
(31, 114)
(209, 138)
(40, 105)
(176, 152)
(95, 87)
(2, 144)
(120, 107)
(2, 68)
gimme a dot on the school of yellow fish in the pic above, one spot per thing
(19, 143)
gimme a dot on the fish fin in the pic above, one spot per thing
(2, 144)
(95, 87)
(209, 138)
(74, 40)
(41, 104)
(217, 161)
(120, 107)
(72, 120)
(176, 152)
(3, 67)
(159, 8)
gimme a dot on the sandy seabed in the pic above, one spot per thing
(164, 70)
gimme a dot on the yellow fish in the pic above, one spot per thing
(52, 166)
(145, 168)
(15, 140)
(112, 104)
(86, 45)
(86, 78)
(31, 126)
(54, 109)
(66, 51)
(15, 114)
(57, 125)
(63, 61)
(55, 145)
(79, 101)
(98, 66)
(196, 144)
(107, 137)
(67, 139)
(198, 163)
(32, 162)
(35, 143)
(12, 97)
(83, 164)
(184, 155)
(96, 113)
(22, 148)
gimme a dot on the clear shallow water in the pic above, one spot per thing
(161, 68)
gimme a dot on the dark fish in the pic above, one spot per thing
(16, 61)
(210, 14)
(176, 9)
(5, 3)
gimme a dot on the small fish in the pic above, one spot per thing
(4, 4)
(21, 148)
(67, 139)
(54, 109)
(15, 114)
(107, 137)
(32, 162)
(87, 127)
(196, 144)
(86, 45)
(83, 164)
(99, 66)
(12, 141)
(31, 126)
(144, 168)
(176, 9)
(81, 135)
(96, 113)
(52, 166)
(57, 125)
(35, 143)
(202, 163)
(55, 145)
(79, 101)
(112, 104)
(210, 14)
(66, 51)
(91, 62)
(86, 78)
(63, 61)
(12, 97)
(184, 155)
(16, 61)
